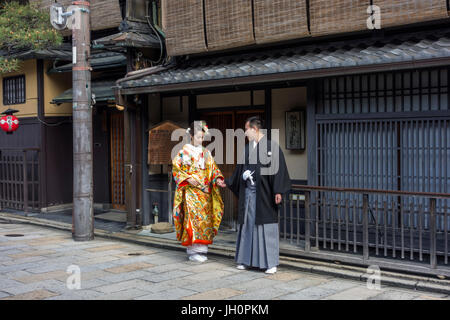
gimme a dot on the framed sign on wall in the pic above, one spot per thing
(295, 130)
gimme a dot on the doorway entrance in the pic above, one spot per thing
(117, 162)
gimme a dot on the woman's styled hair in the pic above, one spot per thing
(197, 125)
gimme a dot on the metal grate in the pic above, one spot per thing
(14, 90)
(399, 91)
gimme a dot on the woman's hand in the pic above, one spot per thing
(193, 182)
(221, 183)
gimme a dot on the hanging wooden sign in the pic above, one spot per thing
(159, 143)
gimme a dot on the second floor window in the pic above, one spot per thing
(14, 90)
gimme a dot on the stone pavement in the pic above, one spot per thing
(35, 266)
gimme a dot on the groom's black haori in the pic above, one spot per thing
(267, 186)
(257, 242)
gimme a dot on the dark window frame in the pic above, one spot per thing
(12, 95)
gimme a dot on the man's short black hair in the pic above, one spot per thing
(255, 122)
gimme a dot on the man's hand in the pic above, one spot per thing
(221, 183)
(193, 182)
(278, 198)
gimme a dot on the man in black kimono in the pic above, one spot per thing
(259, 181)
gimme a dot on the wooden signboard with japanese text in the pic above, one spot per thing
(159, 143)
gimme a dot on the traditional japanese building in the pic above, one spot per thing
(359, 91)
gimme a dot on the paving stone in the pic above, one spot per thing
(58, 275)
(255, 284)
(123, 295)
(339, 285)
(93, 283)
(171, 267)
(285, 276)
(33, 295)
(11, 246)
(170, 275)
(92, 261)
(171, 294)
(31, 253)
(49, 267)
(106, 248)
(125, 276)
(205, 267)
(93, 275)
(217, 294)
(77, 295)
(300, 284)
(312, 293)
(211, 275)
(15, 274)
(52, 285)
(266, 294)
(119, 286)
(17, 267)
(131, 260)
(247, 275)
(355, 293)
(129, 267)
(6, 283)
(98, 266)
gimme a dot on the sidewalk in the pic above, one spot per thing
(224, 247)
(34, 266)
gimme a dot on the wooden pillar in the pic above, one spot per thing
(43, 135)
(129, 159)
(311, 146)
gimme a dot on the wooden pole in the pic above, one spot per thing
(83, 210)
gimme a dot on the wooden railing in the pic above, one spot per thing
(395, 229)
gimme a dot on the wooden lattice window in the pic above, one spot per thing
(14, 90)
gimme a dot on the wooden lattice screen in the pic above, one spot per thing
(401, 12)
(280, 20)
(117, 162)
(329, 17)
(184, 26)
(228, 23)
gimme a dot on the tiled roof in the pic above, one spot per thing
(354, 53)
(99, 61)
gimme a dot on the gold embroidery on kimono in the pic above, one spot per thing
(197, 211)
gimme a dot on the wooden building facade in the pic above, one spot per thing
(371, 183)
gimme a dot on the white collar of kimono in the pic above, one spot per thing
(197, 153)
(196, 149)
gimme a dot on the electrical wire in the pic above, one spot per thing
(51, 124)
(156, 32)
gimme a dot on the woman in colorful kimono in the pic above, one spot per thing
(198, 206)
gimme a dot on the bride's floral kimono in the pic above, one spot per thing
(197, 211)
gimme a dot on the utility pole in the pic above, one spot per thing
(83, 186)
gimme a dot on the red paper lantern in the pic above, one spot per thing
(9, 123)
